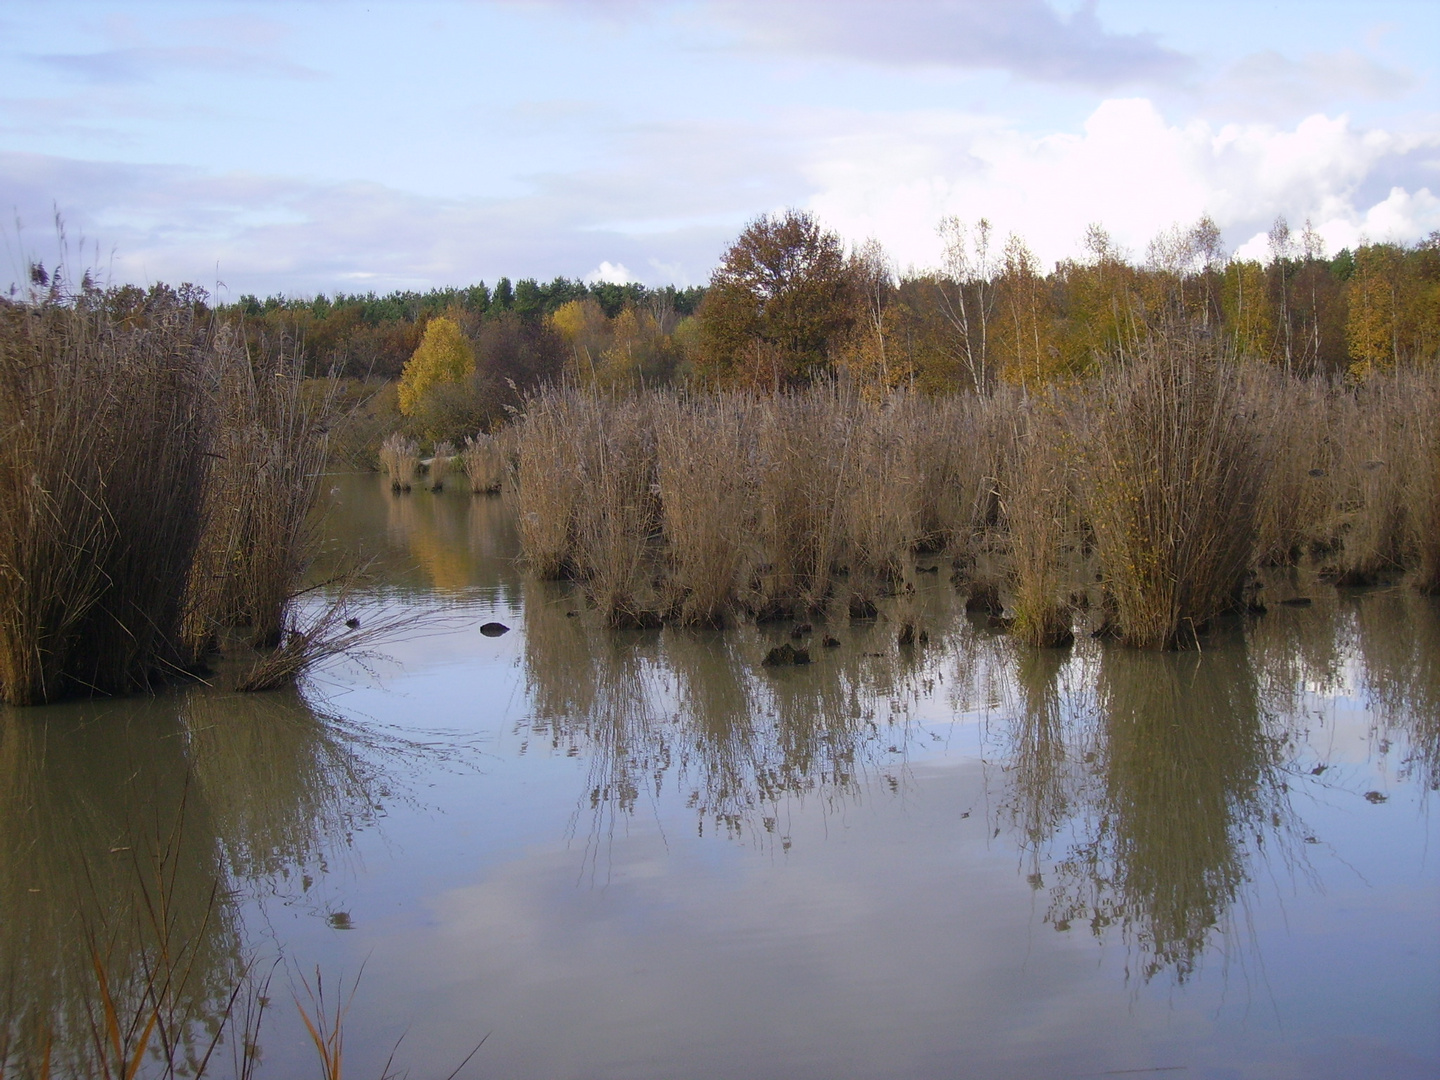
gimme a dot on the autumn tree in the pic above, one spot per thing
(781, 300)
(444, 356)
(967, 296)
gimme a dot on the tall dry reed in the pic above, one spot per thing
(617, 512)
(258, 539)
(1171, 474)
(1041, 523)
(705, 473)
(1292, 510)
(483, 458)
(400, 458)
(439, 467)
(548, 480)
(1369, 436)
(105, 439)
(1423, 475)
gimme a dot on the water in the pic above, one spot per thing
(641, 854)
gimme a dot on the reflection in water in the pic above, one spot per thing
(1168, 781)
(420, 545)
(696, 711)
(1397, 635)
(125, 828)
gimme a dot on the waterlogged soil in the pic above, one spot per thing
(648, 854)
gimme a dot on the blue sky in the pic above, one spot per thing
(305, 147)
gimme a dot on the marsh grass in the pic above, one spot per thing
(1292, 509)
(400, 458)
(706, 483)
(1171, 472)
(106, 433)
(259, 536)
(439, 467)
(1370, 427)
(483, 458)
(1173, 475)
(1041, 523)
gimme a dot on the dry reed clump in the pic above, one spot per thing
(803, 444)
(439, 466)
(1368, 430)
(548, 479)
(484, 460)
(1038, 506)
(258, 539)
(619, 512)
(1422, 390)
(105, 436)
(1292, 510)
(1171, 473)
(705, 475)
(400, 458)
(880, 493)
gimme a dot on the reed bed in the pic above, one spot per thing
(105, 441)
(1173, 475)
(400, 458)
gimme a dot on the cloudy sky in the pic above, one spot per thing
(317, 146)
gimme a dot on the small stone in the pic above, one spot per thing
(494, 629)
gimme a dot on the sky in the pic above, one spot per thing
(322, 146)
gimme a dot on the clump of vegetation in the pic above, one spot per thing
(484, 460)
(106, 436)
(1171, 475)
(258, 540)
(1040, 523)
(439, 466)
(400, 458)
(706, 481)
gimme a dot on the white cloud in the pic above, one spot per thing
(1128, 168)
(610, 274)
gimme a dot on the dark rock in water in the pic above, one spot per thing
(801, 630)
(860, 608)
(1317, 472)
(494, 629)
(985, 598)
(353, 623)
(1298, 601)
(830, 642)
(1376, 797)
(572, 614)
(786, 655)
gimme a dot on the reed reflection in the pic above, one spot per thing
(1165, 787)
(1397, 636)
(126, 828)
(695, 712)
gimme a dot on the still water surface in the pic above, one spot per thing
(642, 854)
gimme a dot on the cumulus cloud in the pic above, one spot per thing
(1128, 168)
(610, 274)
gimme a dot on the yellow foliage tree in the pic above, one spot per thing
(444, 356)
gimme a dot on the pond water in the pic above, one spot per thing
(643, 854)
